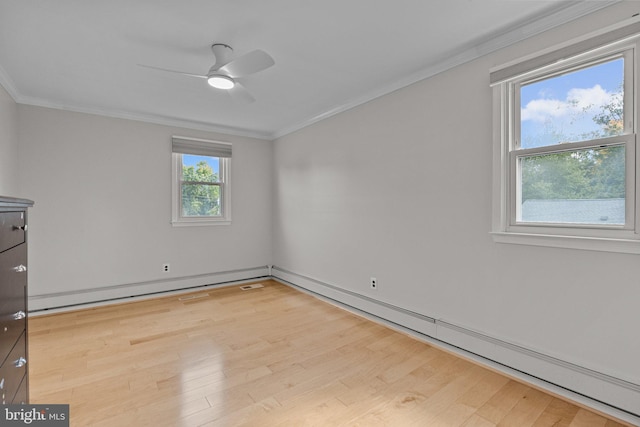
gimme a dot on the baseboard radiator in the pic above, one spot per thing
(63, 300)
(608, 394)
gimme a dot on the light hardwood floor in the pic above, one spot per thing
(266, 357)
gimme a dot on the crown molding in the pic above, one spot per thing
(8, 85)
(572, 11)
(147, 118)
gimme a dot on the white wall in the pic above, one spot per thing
(102, 188)
(8, 145)
(400, 189)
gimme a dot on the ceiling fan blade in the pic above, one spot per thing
(173, 71)
(241, 95)
(249, 63)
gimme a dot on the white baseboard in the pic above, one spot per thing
(98, 296)
(615, 397)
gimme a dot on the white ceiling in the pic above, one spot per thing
(330, 54)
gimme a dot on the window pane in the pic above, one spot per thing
(200, 200)
(582, 186)
(200, 168)
(580, 105)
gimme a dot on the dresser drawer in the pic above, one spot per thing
(12, 228)
(13, 371)
(21, 397)
(13, 289)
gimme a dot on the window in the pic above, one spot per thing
(565, 146)
(201, 190)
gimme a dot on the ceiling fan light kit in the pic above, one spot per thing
(220, 81)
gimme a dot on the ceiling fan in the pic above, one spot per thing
(225, 72)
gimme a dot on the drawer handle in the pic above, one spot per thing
(20, 362)
(20, 227)
(2, 384)
(19, 315)
(20, 269)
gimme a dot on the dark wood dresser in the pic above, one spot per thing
(14, 379)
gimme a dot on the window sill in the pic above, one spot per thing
(199, 223)
(602, 244)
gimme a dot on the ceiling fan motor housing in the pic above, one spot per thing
(222, 53)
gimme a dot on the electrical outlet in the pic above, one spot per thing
(165, 268)
(373, 282)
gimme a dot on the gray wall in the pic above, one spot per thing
(401, 189)
(8, 145)
(102, 188)
(398, 188)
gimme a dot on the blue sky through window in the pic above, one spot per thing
(561, 108)
(193, 160)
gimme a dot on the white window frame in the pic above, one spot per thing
(205, 148)
(506, 112)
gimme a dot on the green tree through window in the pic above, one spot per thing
(200, 190)
(596, 173)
